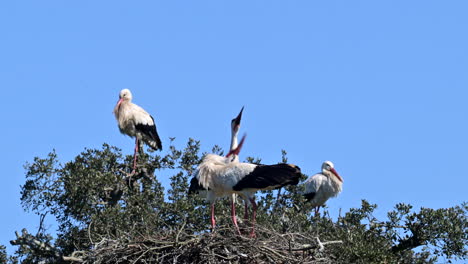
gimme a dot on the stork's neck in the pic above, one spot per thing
(234, 142)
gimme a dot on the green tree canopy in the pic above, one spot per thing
(106, 214)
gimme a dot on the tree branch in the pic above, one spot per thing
(41, 248)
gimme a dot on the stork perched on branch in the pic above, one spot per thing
(322, 186)
(135, 122)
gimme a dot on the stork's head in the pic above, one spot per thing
(125, 95)
(235, 123)
(328, 168)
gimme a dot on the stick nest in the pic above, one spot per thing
(221, 246)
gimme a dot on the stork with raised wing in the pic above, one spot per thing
(135, 122)
(322, 186)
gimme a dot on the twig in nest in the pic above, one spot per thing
(74, 259)
(180, 230)
(272, 251)
(89, 233)
(322, 244)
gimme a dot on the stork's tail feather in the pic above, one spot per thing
(150, 135)
(270, 177)
(154, 143)
(195, 186)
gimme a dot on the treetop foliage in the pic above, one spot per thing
(107, 214)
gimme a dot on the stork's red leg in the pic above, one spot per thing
(246, 211)
(135, 155)
(233, 215)
(213, 221)
(254, 215)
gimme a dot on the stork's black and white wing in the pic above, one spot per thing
(313, 184)
(195, 186)
(145, 126)
(268, 177)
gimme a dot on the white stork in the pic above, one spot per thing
(232, 156)
(135, 122)
(223, 177)
(322, 186)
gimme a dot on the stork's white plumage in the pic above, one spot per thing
(223, 176)
(135, 122)
(322, 186)
(232, 156)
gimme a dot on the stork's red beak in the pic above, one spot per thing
(336, 174)
(237, 150)
(119, 102)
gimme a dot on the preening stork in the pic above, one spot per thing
(222, 177)
(135, 122)
(322, 186)
(232, 156)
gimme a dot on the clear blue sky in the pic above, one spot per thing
(377, 87)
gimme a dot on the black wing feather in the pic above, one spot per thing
(309, 196)
(150, 134)
(270, 177)
(195, 186)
